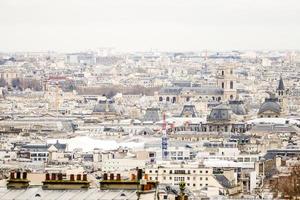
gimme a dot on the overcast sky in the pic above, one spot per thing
(130, 25)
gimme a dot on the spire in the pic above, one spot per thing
(280, 85)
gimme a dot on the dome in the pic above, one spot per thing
(270, 104)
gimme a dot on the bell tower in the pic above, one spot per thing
(282, 96)
(227, 81)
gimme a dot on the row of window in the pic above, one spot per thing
(39, 159)
(181, 171)
(39, 155)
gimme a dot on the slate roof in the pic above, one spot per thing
(221, 112)
(270, 104)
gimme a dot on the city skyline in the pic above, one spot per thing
(133, 25)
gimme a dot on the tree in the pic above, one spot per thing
(288, 186)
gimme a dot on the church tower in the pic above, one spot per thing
(282, 96)
(226, 80)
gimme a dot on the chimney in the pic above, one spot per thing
(84, 178)
(59, 176)
(105, 176)
(78, 177)
(47, 177)
(53, 176)
(12, 175)
(118, 177)
(72, 177)
(18, 175)
(24, 175)
(112, 176)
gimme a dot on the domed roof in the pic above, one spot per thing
(221, 112)
(270, 104)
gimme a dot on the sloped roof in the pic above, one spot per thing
(280, 84)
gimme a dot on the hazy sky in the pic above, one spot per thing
(72, 25)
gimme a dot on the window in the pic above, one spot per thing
(206, 171)
(174, 100)
(170, 178)
(160, 99)
(200, 178)
(223, 85)
(231, 84)
(168, 99)
(206, 178)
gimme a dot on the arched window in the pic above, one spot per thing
(168, 99)
(173, 99)
(219, 98)
(160, 99)
(231, 84)
(223, 85)
(231, 97)
(213, 98)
